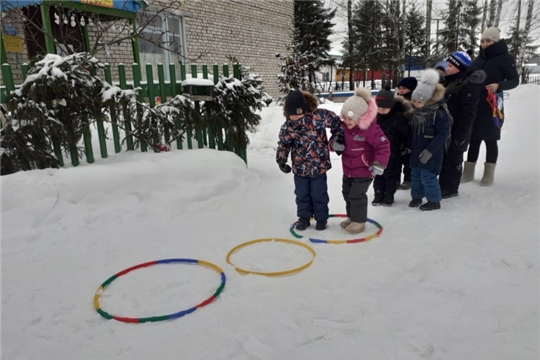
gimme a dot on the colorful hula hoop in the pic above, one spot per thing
(161, 317)
(353, 241)
(275, 273)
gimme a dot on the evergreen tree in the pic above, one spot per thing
(471, 21)
(369, 44)
(452, 37)
(294, 71)
(312, 29)
(414, 32)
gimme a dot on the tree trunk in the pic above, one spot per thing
(498, 14)
(429, 5)
(484, 16)
(350, 29)
(492, 9)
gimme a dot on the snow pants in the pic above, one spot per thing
(452, 166)
(424, 184)
(356, 201)
(311, 197)
(388, 181)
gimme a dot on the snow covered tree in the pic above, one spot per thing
(312, 29)
(471, 25)
(452, 37)
(294, 71)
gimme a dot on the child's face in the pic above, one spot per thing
(402, 90)
(417, 104)
(451, 69)
(296, 117)
(350, 123)
(383, 111)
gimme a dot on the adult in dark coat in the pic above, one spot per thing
(501, 74)
(462, 96)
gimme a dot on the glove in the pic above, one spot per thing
(376, 169)
(425, 156)
(338, 145)
(284, 167)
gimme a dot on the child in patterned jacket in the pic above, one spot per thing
(303, 135)
(365, 155)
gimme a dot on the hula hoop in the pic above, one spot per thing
(353, 241)
(275, 273)
(160, 317)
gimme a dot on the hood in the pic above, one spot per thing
(438, 94)
(370, 115)
(406, 104)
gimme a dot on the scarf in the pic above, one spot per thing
(425, 116)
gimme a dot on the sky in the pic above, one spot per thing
(457, 283)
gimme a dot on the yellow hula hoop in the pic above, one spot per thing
(275, 273)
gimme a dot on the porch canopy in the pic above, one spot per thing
(97, 6)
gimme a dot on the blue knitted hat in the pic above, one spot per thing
(460, 59)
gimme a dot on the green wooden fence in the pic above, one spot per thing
(151, 90)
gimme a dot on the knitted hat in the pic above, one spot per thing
(426, 87)
(385, 98)
(357, 105)
(408, 82)
(460, 59)
(295, 103)
(491, 33)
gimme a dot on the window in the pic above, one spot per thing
(161, 42)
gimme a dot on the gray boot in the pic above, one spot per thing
(468, 172)
(489, 174)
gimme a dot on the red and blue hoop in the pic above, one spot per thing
(352, 241)
(160, 317)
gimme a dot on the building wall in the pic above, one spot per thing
(251, 30)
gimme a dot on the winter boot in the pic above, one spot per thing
(388, 199)
(345, 223)
(355, 228)
(415, 202)
(321, 225)
(379, 196)
(489, 173)
(430, 206)
(468, 172)
(406, 185)
(446, 194)
(302, 224)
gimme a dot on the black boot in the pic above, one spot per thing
(415, 202)
(302, 224)
(321, 225)
(431, 206)
(379, 196)
(388, 199)
(446, 194)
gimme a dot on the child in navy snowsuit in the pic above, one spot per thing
(303, 135)
(430, 127)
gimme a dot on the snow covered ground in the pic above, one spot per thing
(459, 283)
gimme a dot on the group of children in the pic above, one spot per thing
(373, 137)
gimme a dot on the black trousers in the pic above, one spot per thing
(406, 163)
(354, 192)
(492, 151)
(452, 167)
(388, 181)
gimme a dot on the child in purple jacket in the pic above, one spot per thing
(365, 154)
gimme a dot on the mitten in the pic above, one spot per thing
(376, 169)
(424, 156)
(338, 145)
(284, 167)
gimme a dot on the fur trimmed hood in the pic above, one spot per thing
(406, 104)
(438, 94)
(369, 117)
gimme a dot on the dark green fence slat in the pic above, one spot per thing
(89, 151)
(7, 77)
(225, 70)
(58, 152)
(236, 71)
(74, 155)
(182, 71)
(24, 69)
(137, 83)
(174, 86)
(216, 73)
(150, 85)
(127, 122)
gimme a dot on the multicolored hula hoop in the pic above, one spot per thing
(161, 317)
(275, 273)
(353, 241)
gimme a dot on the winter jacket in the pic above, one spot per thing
(395, 126)
(500, 68)
(306, 141)
(462, 96)
(364, 144)
(431, 135)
